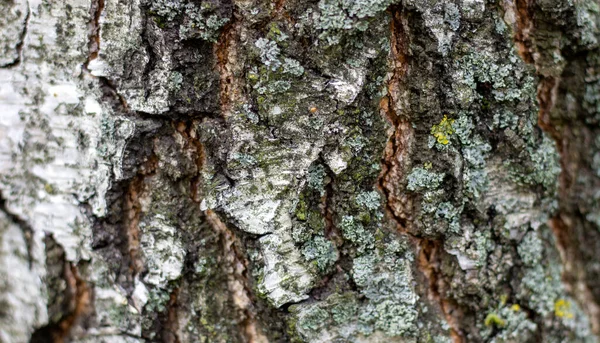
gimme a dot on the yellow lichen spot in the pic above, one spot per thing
(428, 165)
(562, 309)
(443, 130)
(494, 319)
(515, 307)
(48, 188)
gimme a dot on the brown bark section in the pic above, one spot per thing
(171, 324)
(132, 210)
(225, 51)
(195, 148)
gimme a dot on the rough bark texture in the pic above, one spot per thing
(299, 171)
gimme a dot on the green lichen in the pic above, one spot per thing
(493, 319)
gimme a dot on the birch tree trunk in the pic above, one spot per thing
(299, 171)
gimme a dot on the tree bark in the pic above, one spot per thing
(299, 171)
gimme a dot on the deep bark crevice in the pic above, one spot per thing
(69, 307)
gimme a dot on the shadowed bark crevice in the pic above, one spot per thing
(70, 297)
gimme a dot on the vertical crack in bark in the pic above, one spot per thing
(72, 304)
(524, 26)
(20, 43)
(132, 210)
(196, 148)
(225, 51)
(395, 165)
(171, 325)
(237, 281)
(22, 224)
(574, 273)
(332, 233)
(96, 9)
(568, 225)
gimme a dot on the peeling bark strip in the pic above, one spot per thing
(235, 265)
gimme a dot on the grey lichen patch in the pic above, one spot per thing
(195, 20)
(284, 278)
(384, 279)
(336, 18)
(321, 252)
(543, 169)
(442, 19)
(355, 232)
(421, 179)
(269, 53)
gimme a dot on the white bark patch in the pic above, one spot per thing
(21, 288)
(163, 251)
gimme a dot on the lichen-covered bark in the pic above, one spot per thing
(299, 171)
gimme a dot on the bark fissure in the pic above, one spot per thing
(225, 53)
(132, 212)
(74, 303)
(96, 9)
